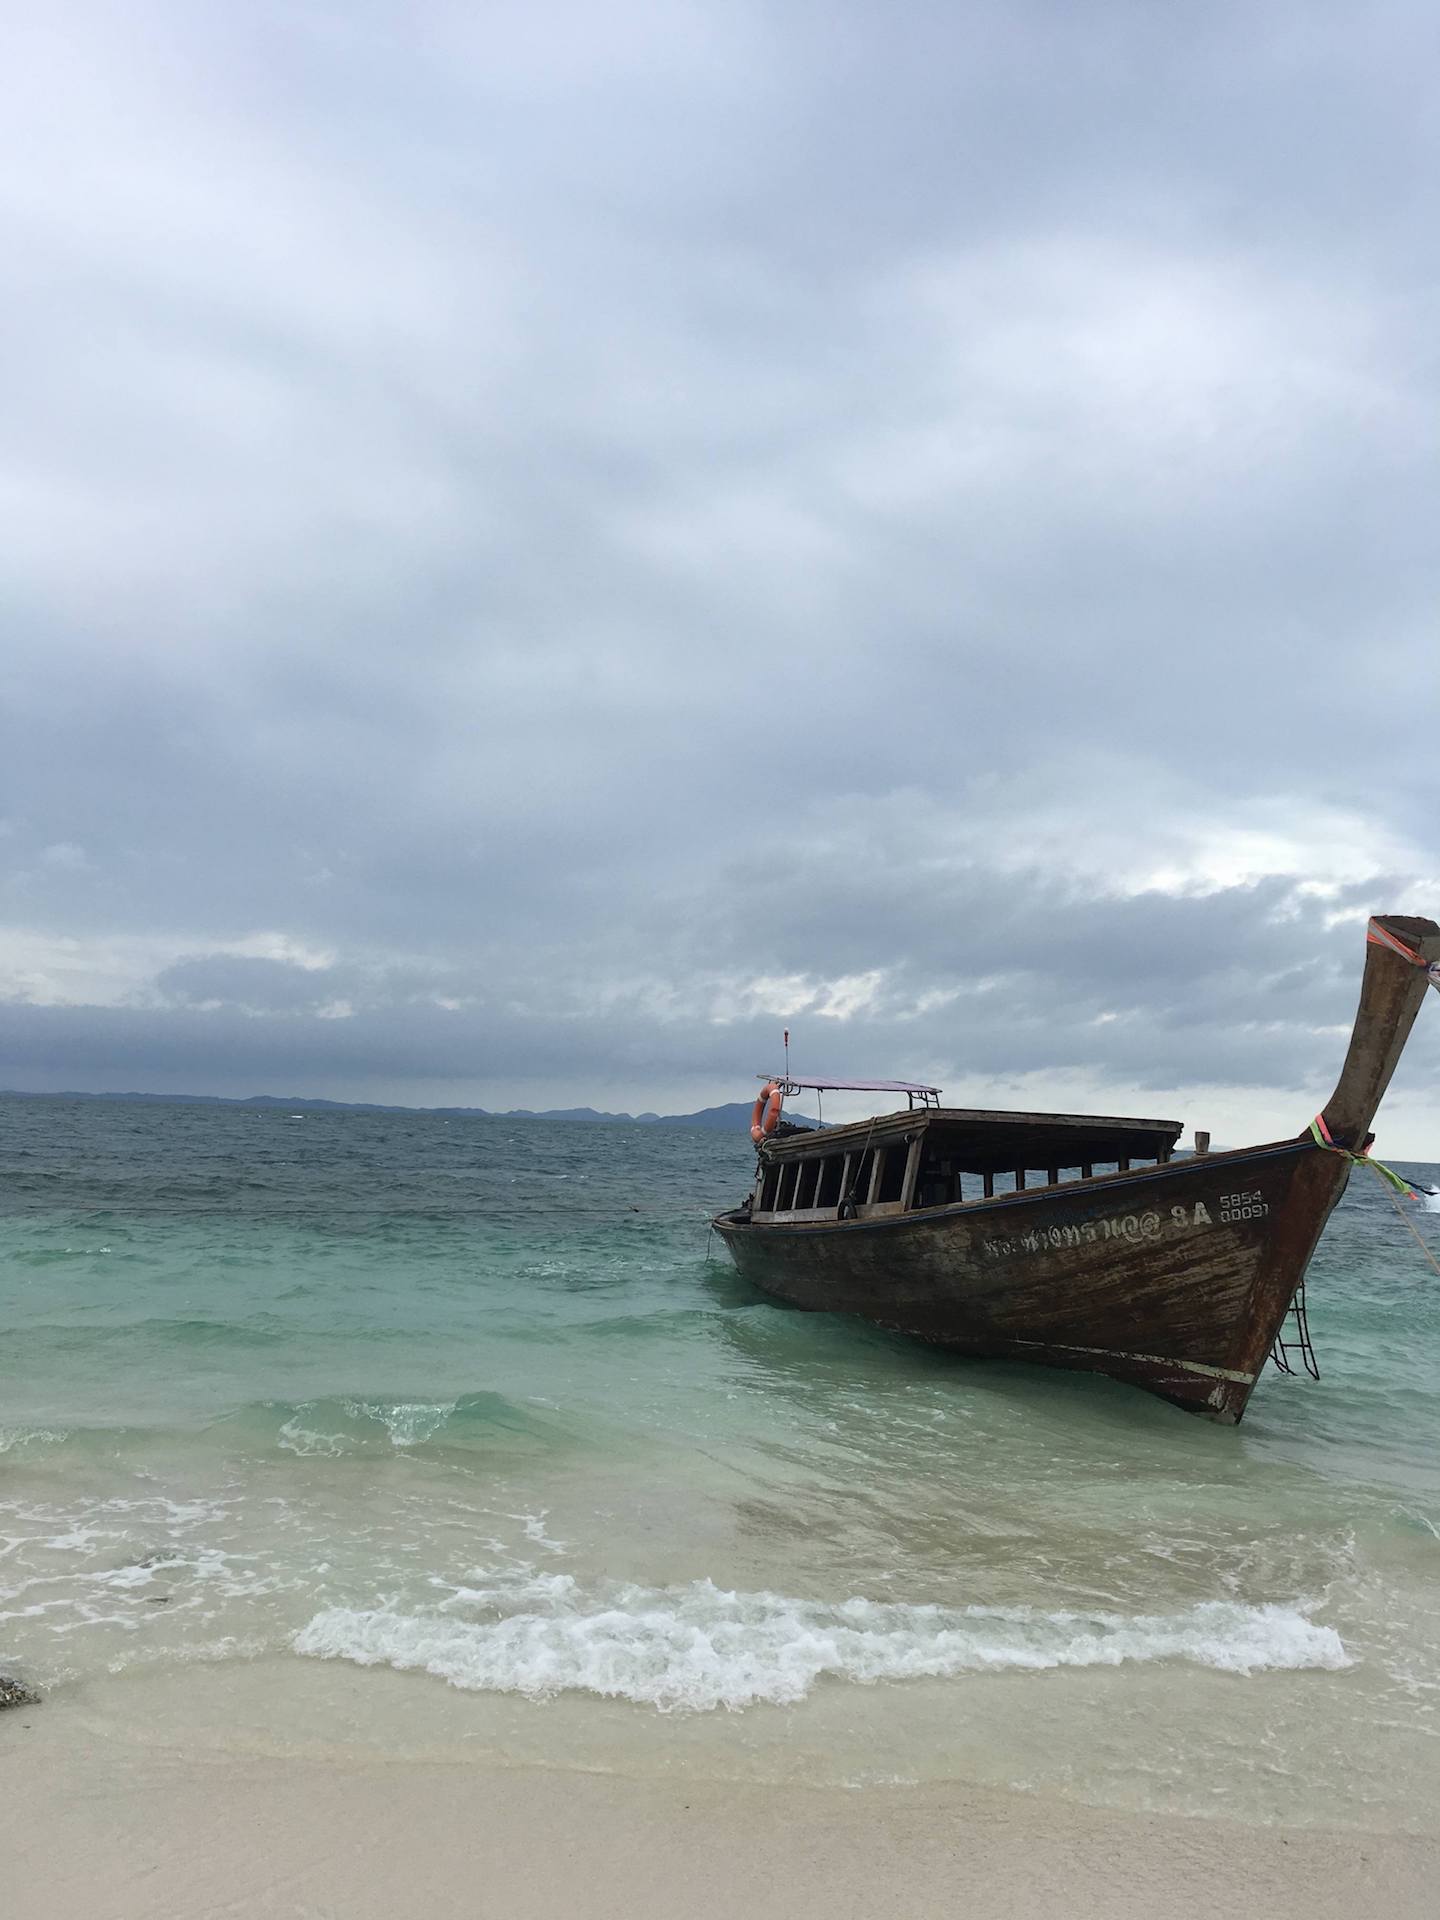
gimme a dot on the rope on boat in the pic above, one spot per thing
(1323, 1137)
(1379, 936)
(847, 1199)
(1395, 1184)
(1425, 1246)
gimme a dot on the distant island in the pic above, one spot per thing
(736, 1114)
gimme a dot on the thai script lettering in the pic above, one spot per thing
(1134, 1229)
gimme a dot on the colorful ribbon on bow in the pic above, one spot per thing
(1323, 1138)
(1379, 936)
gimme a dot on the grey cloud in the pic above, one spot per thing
(565, 515)
(249, 985)
(1141, 994)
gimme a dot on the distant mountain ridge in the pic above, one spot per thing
(733, 1115)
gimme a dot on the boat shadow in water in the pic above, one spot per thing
(820, 1357)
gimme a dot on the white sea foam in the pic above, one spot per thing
(408, 1422)
(697, 1648)
(31, 1436)
(512, 1588)
(304, 1440)
(534, 1525)
(142, 1574)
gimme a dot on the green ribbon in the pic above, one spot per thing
(1389, 1173)
(1363, 1160)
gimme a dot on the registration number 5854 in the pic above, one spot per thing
(1243, 1206)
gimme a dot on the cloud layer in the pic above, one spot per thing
(540, 551)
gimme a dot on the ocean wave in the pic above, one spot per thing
(330, 1428)
(65, 1336)
(408, 1423)
(696, 1648)
(54, 1256)
(14, 1437)
(345, 1425)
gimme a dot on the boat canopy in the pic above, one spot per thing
(982, 1142)
(788, 1085)
(944, 1157)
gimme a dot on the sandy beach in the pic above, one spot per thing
(97, 1827)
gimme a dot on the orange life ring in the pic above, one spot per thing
(765, 1118)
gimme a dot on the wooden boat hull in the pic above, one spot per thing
(1175, 1278)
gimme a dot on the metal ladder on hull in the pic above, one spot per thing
(1297, 1324)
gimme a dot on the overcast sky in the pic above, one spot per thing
(540, 544)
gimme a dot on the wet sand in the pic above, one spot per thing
(95, 1827)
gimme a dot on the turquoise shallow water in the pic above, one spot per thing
(445, 1436)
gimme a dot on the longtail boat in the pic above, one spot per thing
(1075, 1240)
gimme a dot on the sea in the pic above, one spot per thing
(422, 1437)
